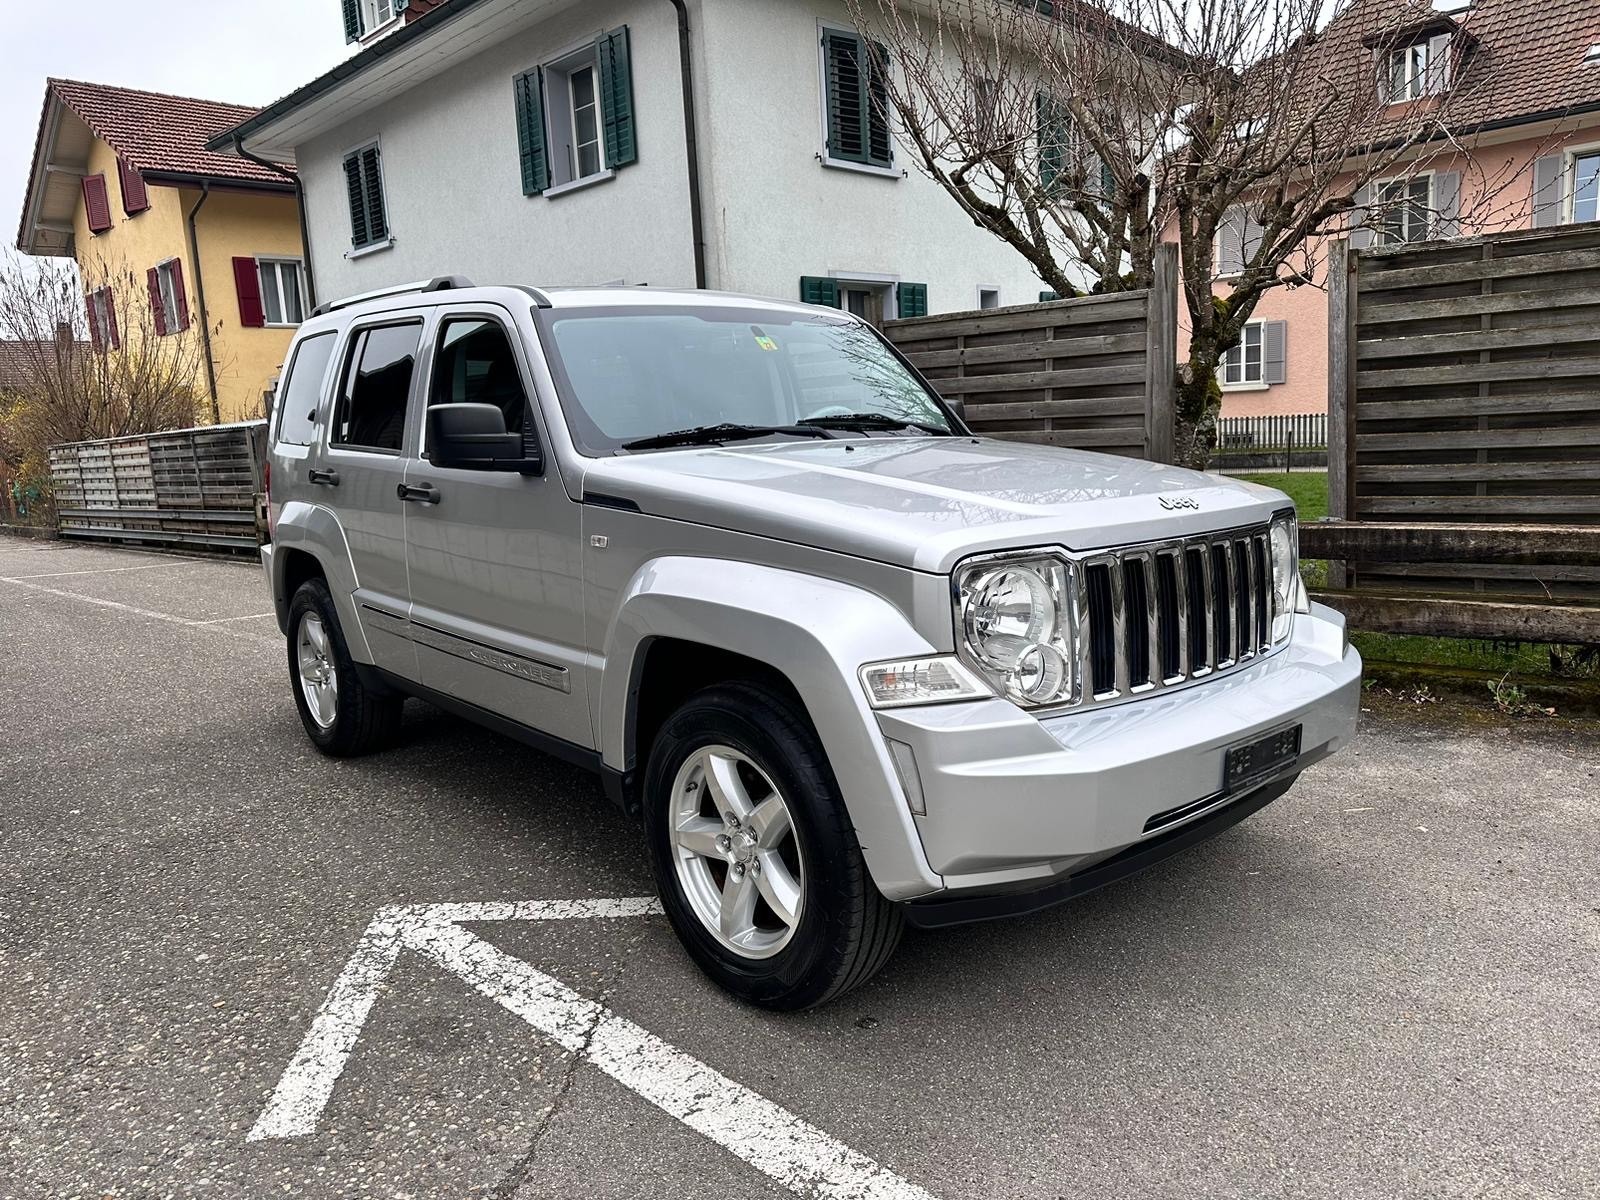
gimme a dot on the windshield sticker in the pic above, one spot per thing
(762, 340)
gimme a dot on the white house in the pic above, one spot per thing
(549, 142)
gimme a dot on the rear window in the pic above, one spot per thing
(372, 404)
(301, 390)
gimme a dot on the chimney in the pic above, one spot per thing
(64, 335)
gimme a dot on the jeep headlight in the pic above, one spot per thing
(1014, 623)
(1288, 593)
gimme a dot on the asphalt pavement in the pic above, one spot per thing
(1384, 984)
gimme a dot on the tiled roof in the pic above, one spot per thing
(16, 359)
(156, 133)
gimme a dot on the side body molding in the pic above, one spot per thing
(818, 633)
(316, 530)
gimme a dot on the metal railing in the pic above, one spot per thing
(1282, 431)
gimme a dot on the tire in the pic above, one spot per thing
(343, 717)
(742, 738)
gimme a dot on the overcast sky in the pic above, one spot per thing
(213, 49)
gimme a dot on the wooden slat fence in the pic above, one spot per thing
(1094, 373)
(185, 487)
(1465, 392)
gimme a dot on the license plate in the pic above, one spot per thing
(1253, 761)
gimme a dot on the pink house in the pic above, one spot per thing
(1531, 124)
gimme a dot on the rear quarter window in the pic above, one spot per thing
(300, 394)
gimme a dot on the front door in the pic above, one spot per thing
(362, 468)
(496, 561)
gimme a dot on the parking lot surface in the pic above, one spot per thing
(1382, 985)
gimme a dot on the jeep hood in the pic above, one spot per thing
(926, 503)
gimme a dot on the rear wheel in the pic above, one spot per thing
(755, 858)
(341, 714)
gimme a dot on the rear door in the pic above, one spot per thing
(363, 470)
(495, 557)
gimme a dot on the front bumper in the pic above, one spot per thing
(1016, 803)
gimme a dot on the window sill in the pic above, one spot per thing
(280, 325)
(577, 185)
(1245, 387)
(376, 247)
(839, 164)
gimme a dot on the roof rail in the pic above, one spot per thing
(538, 294)
(440, 283)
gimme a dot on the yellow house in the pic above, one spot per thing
(122, 182)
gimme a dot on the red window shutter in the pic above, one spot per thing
(181, 297)
(247, 279)
(111, 319)
(134, 197)
(94, 325)
(96, 205)
(158, 308)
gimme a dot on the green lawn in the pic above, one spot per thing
(1308, 490)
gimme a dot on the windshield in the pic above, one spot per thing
(633, 374)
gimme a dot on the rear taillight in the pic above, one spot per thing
(272, 513)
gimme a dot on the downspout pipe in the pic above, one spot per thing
(691, 141)
(200, 294)
(300, 203)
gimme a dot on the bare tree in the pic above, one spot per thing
(87, 363)
(1083, 133)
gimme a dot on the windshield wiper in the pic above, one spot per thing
(711, 435)
(871, 421)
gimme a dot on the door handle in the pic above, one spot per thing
(329, 478)
(418, 493)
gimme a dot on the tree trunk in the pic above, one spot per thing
(1199, 402)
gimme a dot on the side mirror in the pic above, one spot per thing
(473, 437)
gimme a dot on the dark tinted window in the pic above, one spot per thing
(372, 403)
(476, 365)
(301, 390)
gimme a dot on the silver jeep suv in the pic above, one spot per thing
(851, 665)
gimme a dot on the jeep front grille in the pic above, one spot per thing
(1168, 612)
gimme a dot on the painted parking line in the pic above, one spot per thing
(99, 570)
(131, 609)
(790, 1151)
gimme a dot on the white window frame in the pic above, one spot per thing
(1244, 383)
(1569, 181)
(561, 119)
(1418, 57)
(1375, 217)
(167, 284)
(838, 164)
(372, 20)
(280, 261)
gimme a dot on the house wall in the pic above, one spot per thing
(773, 212)
(452, 178)
(1496, 195)
(231, 223)
(776, 213)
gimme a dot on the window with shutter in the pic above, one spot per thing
(168, 303)
(1055, 139)
(363, 174)
(1586, 186)
(576, 119)
(1238, 240)
(103, 332)
(1242, 366)
(528, 92)
(352, 20)
(913, 300)
(96, 203)
(819, 289)
(856, 90)
(616, 99)
(135, 198)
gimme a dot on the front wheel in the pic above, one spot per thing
(755, 858)
(341, 714)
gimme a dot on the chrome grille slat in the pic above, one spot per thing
(1201, 603)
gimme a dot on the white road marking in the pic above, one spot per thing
(226, 620)
(118, 605)
(100, 570)
(790, 1151)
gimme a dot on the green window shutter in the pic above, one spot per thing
(1049, 297)
(847, 108)
(1108, 184)
(816, 289)
(913, 300)
(1052, 142)
(372, 181)
(880, 146)
(358, 203)
(528, 90)
(352, 20)
(616, 98)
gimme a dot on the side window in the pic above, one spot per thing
(301, 390)
(476, 365)
(377, 381)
